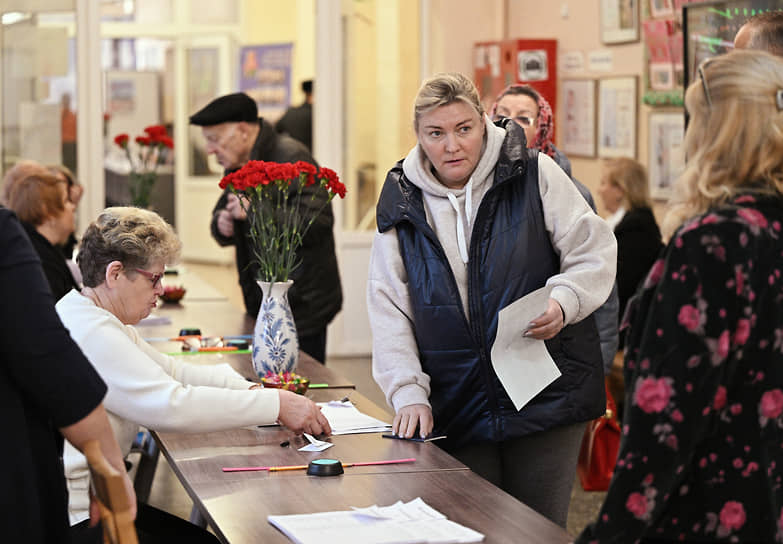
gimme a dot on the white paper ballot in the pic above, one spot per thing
(523, 364)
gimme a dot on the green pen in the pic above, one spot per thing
(319, 385)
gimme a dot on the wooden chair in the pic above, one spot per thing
(109, 488)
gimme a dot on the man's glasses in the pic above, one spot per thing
(704, 86)
(154, 278)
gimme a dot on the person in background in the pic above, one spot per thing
(68, 132)
(297, 121)
(48, 390)
(235, 134)
(75, 193)
(763, 32)
(625, 194)
(469, 222)
(122, 257)
(531, 111)
(701, 456)
(43, 204)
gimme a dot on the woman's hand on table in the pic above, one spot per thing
(301, 415)
(548, 324)
(410, 417)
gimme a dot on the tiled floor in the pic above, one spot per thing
(168, 494)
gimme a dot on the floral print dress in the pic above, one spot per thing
(701, 458)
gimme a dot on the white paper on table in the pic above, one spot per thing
(522, 364)
(344, 418)
(315, 444)
(414, 522)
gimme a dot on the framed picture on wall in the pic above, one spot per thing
(578, 126)
(662, 8)
(617, 104)
(666, 154)
(619, 21)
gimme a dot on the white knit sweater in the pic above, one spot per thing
(148, 388)
(585, 244)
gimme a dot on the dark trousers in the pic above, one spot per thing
(538, 469)
(153, 526)
(314, 345)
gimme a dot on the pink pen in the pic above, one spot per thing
(298, 467)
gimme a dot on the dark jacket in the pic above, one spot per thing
(56, 269)
(297, 122)
(638, 245)
(469, 404)
(46, 383)
(316, 295)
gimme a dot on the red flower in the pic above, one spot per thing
(332, 182)
(720, 398)
(308, 169)
(155, 131)
(689, 317)
(280, 215)
(166, 142)
(143, 140)
(652, 395)
(771, 404)
(636, 504)
(121, 139)
(732, 515)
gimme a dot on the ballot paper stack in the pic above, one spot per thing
(344, 418)
(414, 522)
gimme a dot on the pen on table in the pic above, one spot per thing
(183, 337)
(319, 386)
(304, 467)
(209, 350)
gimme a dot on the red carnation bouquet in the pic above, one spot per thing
(151, 151)
(281, 200)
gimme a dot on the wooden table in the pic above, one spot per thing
(236, 505)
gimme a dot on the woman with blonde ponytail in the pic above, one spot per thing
(702, 455)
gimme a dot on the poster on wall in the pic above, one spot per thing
(579, 117)
(667, 157)
(619, 21)
(617, 117)
(265, 75)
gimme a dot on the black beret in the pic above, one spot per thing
(225, 109)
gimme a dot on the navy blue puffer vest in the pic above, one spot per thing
(510, 255)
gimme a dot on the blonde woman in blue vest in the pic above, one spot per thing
(469, 222)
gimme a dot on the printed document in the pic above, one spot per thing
(414, 522)
(344, 418)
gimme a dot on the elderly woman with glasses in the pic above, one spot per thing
(701, 457)
(122, 257)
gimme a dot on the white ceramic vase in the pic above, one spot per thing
(275, 345)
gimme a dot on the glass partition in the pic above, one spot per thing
(38, 85)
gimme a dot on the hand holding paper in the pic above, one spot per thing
(522, 363)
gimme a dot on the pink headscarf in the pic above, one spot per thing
(543, 139)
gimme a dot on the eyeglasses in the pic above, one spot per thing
(154, 278)
(704, 86)
(523, 120)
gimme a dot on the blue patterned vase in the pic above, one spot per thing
(275, 346)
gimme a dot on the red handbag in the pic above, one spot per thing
(600, 445)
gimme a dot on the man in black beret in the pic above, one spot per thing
(235, 134)
(297, 121)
